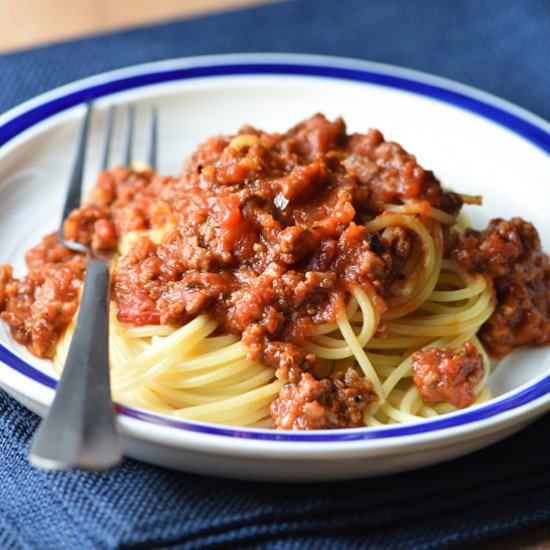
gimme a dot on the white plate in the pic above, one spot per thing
(474, 142)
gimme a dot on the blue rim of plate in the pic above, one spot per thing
(497, 112)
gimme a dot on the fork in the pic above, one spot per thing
(79, 430)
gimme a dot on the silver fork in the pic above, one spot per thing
(79, 430)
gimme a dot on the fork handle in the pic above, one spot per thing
(79, 430)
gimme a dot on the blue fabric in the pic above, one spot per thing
(501, 46)
(499, 490)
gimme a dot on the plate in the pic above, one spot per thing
(474, 142)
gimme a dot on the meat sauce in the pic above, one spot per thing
(38, 306)
(509, 252)
(266, 233)
(335, 402)
(445, 375)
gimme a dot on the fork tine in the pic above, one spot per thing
(107, 137)
(153, 138)
(129, 135)
(74, 193)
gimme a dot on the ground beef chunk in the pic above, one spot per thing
(334, 402)
(122, 200)
(91, 226)
(49, 251)
(289, 360)
(505, 249)
(39, 306)
(521, 318)
(389, 173)
(444, 375)
(509, 252)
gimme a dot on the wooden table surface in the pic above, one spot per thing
(29, 23)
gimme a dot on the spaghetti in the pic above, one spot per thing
(306, 280)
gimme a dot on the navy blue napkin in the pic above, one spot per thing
(493, 492)
(500, 46)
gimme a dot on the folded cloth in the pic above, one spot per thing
(497, 45)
